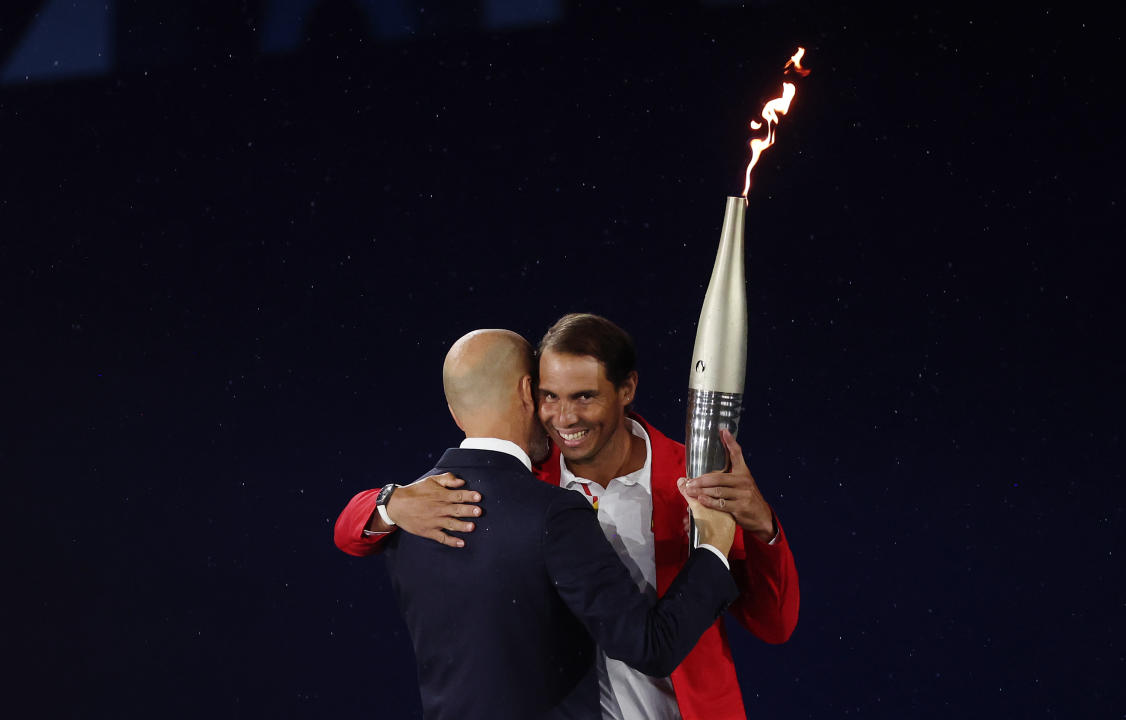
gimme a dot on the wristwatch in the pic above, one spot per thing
(381, 501)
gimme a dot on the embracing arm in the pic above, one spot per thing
(428, 508)
(357, 516)
(768, 588)
(651, 635)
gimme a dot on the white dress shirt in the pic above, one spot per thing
(625, 511)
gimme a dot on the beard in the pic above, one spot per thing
(539, 444)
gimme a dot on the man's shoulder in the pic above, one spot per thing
(480, 461)
(651, 430)
(519, 481)
(555, 494)
(664, 447)
(547, 471)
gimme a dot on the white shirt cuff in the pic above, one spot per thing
(718, 554)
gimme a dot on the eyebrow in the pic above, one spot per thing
(592, 392)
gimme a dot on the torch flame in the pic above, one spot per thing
(794, 63)
(770, 112)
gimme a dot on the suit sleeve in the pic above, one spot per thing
(349, 530)
(768, 588)
(651, 635)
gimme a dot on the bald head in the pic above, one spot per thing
(482, 376)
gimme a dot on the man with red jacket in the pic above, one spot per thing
(628, 470)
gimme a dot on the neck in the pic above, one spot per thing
(502, 431)
(624, 454)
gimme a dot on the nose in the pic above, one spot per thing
(566, 415)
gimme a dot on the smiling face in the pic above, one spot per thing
(581, 410)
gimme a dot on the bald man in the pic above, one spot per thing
(506, 627)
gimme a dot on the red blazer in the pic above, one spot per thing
(705, 683)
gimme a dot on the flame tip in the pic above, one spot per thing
(794, 63)
(770, 112)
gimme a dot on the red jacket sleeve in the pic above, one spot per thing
(349, 530)
(768, 588)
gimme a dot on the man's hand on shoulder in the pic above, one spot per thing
(736, 492)
(431, 508)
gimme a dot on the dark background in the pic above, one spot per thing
(231, 270)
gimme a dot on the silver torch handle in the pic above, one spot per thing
(708, 413)
(719, 357)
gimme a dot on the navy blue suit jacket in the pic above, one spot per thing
(506, 626)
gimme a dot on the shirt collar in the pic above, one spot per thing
(497, 445)
(567, 479)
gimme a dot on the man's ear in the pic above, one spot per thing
(627, 391)
(456, 421)
(527, 394)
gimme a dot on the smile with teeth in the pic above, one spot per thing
(572, 437)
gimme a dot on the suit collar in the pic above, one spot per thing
(475, 458)
(505, 446)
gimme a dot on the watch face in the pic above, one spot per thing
(384, 494)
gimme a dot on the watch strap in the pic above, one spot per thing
(381, 502)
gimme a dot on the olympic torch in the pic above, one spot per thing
(719, 357)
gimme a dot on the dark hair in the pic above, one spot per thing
(593, 335)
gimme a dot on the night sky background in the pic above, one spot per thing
(232, 264)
